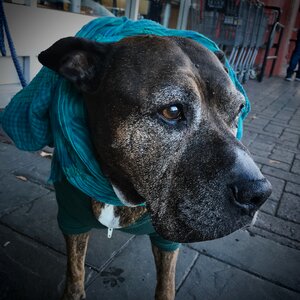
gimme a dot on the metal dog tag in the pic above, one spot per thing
(109, 232)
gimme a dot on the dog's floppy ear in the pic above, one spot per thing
(79, 60)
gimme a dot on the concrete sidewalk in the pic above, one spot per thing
(262, 263)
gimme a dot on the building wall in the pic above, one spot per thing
(33, 29)
(290, 11)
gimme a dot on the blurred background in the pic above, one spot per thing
(258, 37)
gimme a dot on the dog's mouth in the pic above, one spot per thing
(188, 226)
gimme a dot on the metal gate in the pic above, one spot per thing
(239, 27)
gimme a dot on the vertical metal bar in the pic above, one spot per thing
(132, 9)
(26, 68)
(127, 8)
(167, 14)
(281, 28)
(232, 56)
(183, 14)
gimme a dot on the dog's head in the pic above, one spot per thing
(163, 114)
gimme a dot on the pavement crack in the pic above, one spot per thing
(21, 265)
(34, 180)
(276, 282)
(187, 272)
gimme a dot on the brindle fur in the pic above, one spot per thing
(198, 181)
(97, 208)
(165, 262)
(76, 248)
(128, 215)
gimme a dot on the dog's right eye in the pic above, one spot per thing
(172, 114)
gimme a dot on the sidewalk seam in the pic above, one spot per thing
(247, 271)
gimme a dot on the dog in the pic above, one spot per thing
(163, 115)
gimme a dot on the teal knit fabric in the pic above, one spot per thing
(49, 111)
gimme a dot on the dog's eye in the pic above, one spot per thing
(172, 113)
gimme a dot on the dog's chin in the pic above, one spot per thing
(182, 232)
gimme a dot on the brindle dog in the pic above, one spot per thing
(162, 115)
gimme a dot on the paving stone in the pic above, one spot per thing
(263, 138)
(293, 130)
(28, 164)
(277, 187)
(281, 174)
(296, 166)
(11, 158)
(31, 219)
(294, 122)
(260, 131)
(269, 112)
(284, 115)
(211, 279)
(29, 270)
(290, 137)
(258, 152)
(289, 207)
(287, 126)
(101, 249)
(262, 146)
(274, 237)
(292, 188)
(15, 192)
(282, 155)
(132, 275)
(258, 121)
(288, 145)
(279, 122)
(257, 255)
(37, 172)
(273, 129)
(269, 207)
(38, 221)
(278, 226)
(271, 162)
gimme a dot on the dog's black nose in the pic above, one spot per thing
(248, 187)
(250, 195)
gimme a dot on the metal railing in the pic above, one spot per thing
(240, 28)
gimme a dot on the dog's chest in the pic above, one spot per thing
(116, 216)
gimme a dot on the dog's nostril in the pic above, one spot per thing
(250, 195)
(256, 201)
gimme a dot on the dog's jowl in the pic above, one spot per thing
(162, 114)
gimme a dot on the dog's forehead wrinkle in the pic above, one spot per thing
(160, 50)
